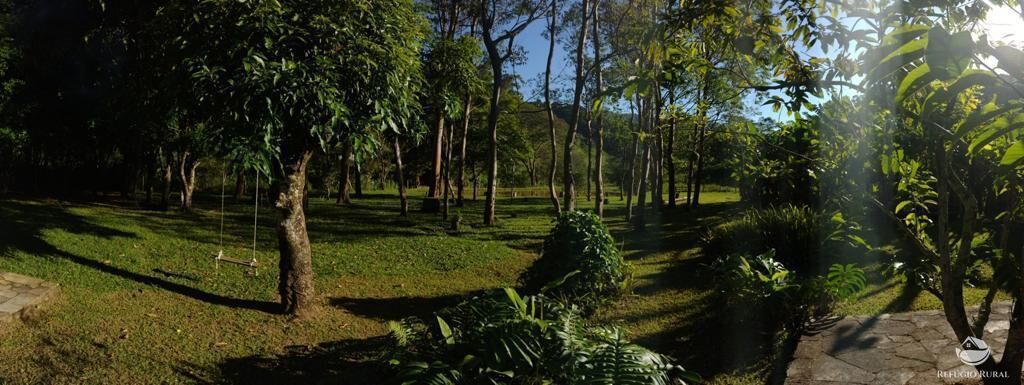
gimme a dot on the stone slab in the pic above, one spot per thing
(20, 294)
(899, 349)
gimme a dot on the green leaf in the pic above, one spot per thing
(905, 33)
(914, 81)
(948, 55)
(517, 301)
(899, 58)
(992, 131)
(901, 206)
(972, 78)
(1013, 154)
(982, 115)
(446, 331)
(1011, 60)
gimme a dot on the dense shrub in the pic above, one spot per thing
(772, 293)
(506, 339)
(775, 169)
(579, 262)
(800, 237)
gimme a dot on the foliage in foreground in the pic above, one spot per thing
(579, 262)
(507, 339)
(782, 298)
(802, 238)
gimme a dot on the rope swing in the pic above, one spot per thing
(251, 263)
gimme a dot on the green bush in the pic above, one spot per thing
(506, 339)
(579, 262)
(799, 236)
(772, 293)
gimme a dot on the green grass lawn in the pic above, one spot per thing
(143, 303)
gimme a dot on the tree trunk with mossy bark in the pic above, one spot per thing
(295, 284)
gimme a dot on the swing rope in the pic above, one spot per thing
(255, 217)
(251, 263)
(223, 177)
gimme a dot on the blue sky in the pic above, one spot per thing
(535, 44)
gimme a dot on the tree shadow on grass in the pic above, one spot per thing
(671, 229)
(349, 362)
(711, 339)
(398, 307)
(698, 329)
(25, 233)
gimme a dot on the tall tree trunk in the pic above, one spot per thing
(187, 173)
(590, 150)
(690, 161)
(295, 284)
(400, 180)
(656, 155)
(640, 218)
(343, 177)
(446, 173)
(512, 183)
(147, 181)
(434, 190)
(568, 182)
(239, 185)
(476, 183)
(702, 126)
(670, 161)
(492, 128)
(598, 168)
(552, 32)
(461, 183)
(358, 179)
(168, 179)
(632, 162)
(698, 172)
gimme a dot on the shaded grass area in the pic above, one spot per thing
(673, 307)
(142, 302)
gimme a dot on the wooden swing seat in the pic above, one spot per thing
(220, 257)
(249, 263)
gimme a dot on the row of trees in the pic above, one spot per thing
(922, 139)
(147, 94)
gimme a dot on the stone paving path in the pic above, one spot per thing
(890, 349)
(20, 294)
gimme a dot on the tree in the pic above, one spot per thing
(967, 114)
(568, 184)
(552, 31)
(598, 108)
(295, 77)
(345, 171)
(500, 22)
